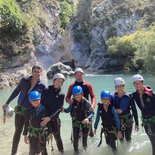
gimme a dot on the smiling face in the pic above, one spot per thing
(36, 73)
(139, 86)
(36, 103)
(120, 88)
(105, 100)
(78, 97)
(58, 83)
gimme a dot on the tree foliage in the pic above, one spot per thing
(139, 47)
(11, 18)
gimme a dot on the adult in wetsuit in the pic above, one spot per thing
(53, 100)
(23, 88)
(144, 97)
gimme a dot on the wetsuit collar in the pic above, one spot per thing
(76, 82)
(30, 77)
(125, 94)
(54, 89)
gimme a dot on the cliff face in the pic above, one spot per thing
(35, 43)
(97, 21)
(41, 40)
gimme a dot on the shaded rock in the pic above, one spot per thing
(59, 68)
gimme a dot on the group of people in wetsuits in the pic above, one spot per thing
(38, 109)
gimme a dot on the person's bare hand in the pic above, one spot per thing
(4, 107)
(119, 111)
(26, 139)
(92, 108)
(119, 135)
(95, 131)
(86, 121)
(45, 120)
(137, 128)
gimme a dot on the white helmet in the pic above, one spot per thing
(79, 70)
(59, 76)
(137, 77)
(119, 81)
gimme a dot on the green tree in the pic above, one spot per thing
(10, 16)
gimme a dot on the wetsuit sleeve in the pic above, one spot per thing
(92, 95)
(116, 119)
(134, 111)
(69, 94)
(61, 103)
(15, 92)
(27, 122)
(43, 97)
(67, 110)
(97, 119)
(88, 104)
(90, 113)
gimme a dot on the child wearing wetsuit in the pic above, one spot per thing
(81, 117)
(110, 121)
(37, 134)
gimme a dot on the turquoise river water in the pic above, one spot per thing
(140, 144)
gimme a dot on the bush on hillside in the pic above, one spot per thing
(139, 47)
(68, 10)
(10, 16)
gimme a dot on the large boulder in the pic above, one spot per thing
(59, 68)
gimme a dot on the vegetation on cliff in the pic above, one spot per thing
(138, 47)
(11, 18)
(68, 10)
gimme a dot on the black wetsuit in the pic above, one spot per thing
(80, 111)
(22, 107)
(146, 104)
(53, 101)
(110, 123)
(37, 134)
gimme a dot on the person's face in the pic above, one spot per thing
(105, 100)
(58, 83)
(79, 76)
(36, 73)
(120, 88)
(36, 103)
(138, 85)
(78, 97)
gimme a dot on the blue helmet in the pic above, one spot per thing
(77, 90)
(34, 95)
(105, 94)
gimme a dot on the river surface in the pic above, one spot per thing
(140, 144)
